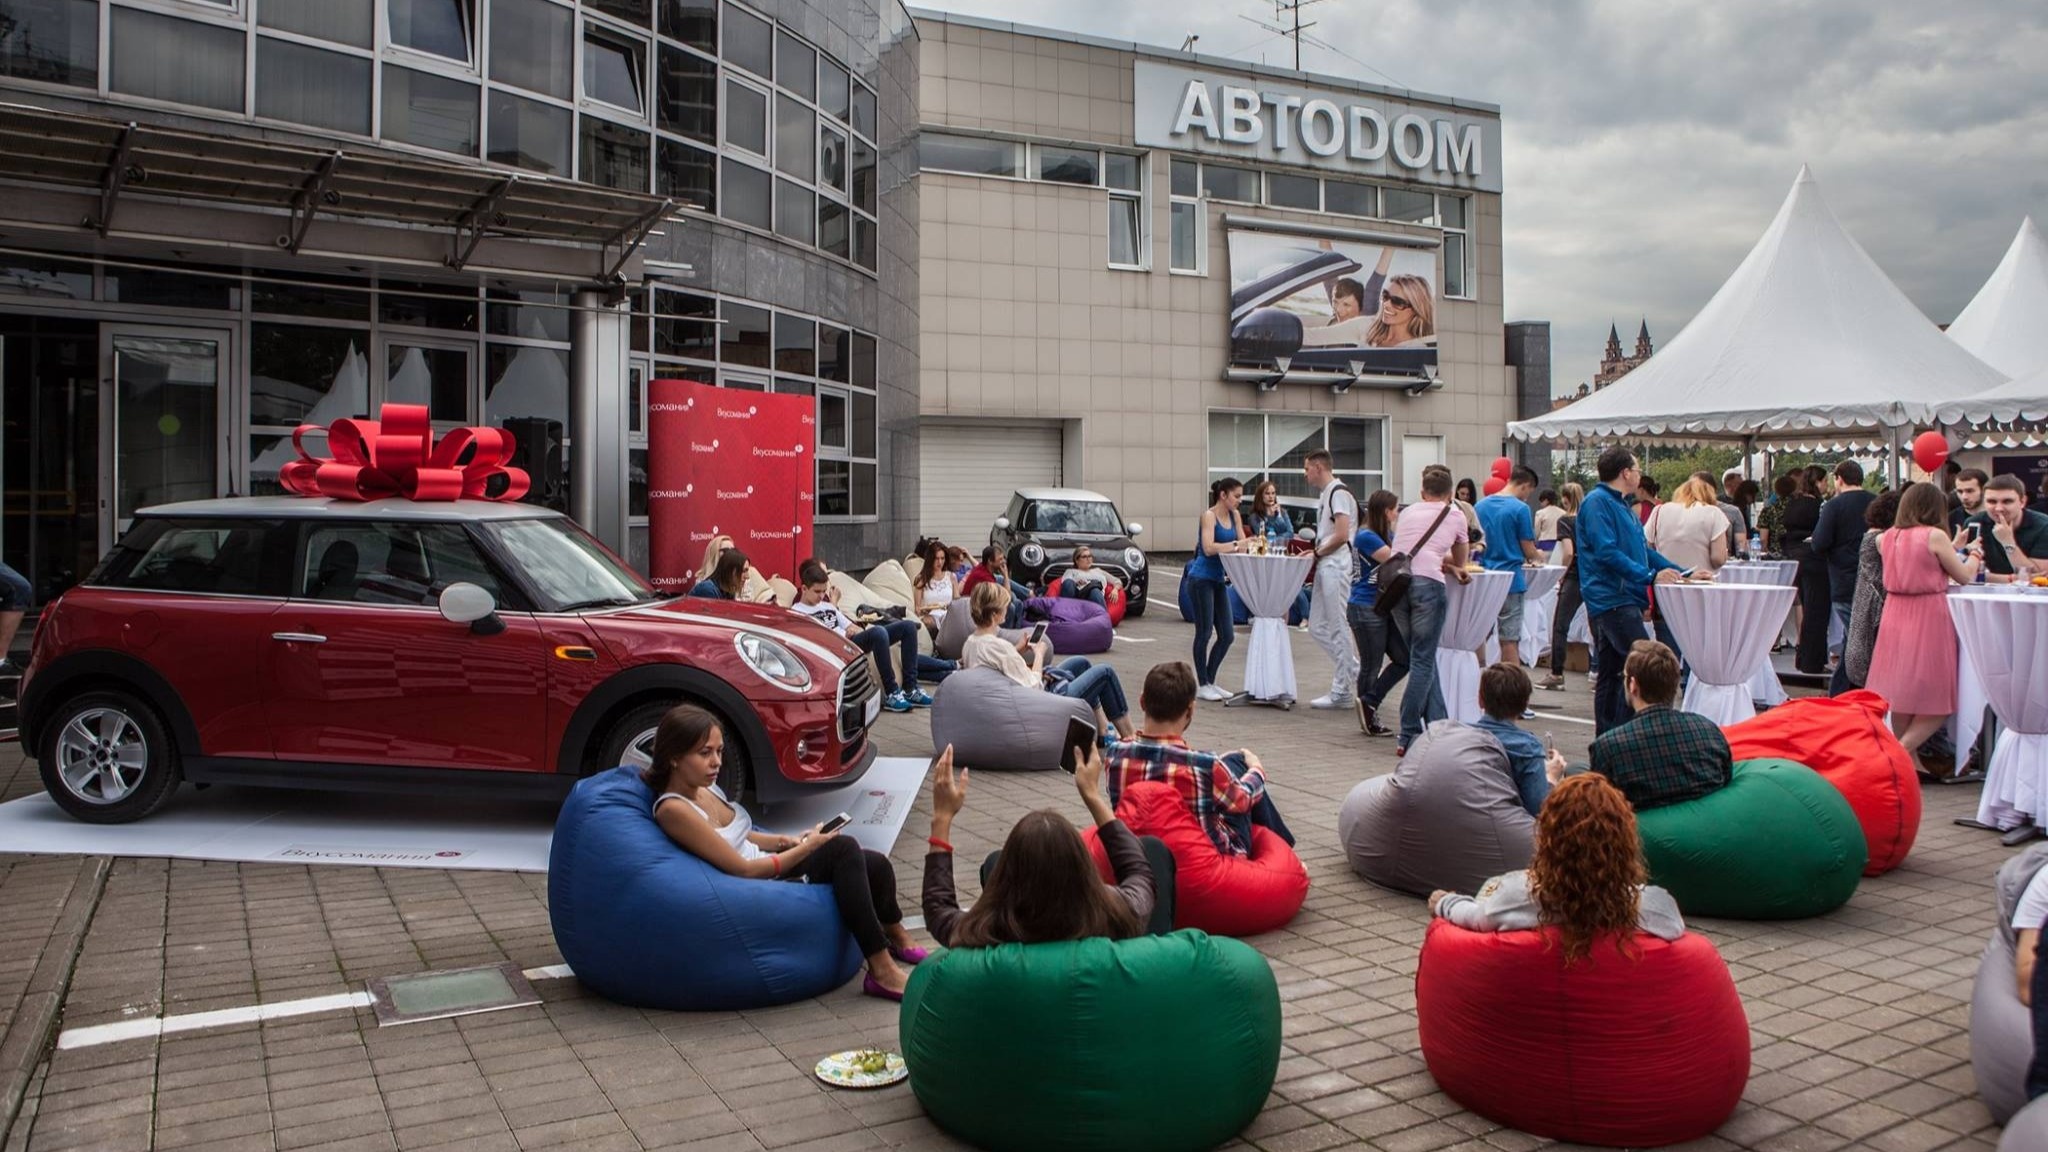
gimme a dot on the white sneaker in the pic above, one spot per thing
(1212, 692)
(1329, 702)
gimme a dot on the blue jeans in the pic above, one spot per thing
(1211, 601)
(1420, 617)
(1084, 590)
(895, 634)
(1614, 632)
(1262, 813)
(1096, 684)
(1377, 639)
(1838, 681)
(934, 669)
(15, 594)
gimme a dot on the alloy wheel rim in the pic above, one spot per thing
(102, 755)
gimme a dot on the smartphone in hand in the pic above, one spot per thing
(835, 824)
(1074, 748)
(1037, 632)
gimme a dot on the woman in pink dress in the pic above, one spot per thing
(1914, 665)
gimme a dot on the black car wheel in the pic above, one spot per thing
(631, 742)
(106, 758)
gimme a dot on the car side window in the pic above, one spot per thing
(225, 557)
(390, 562)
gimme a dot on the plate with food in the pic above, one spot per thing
(863, 1068)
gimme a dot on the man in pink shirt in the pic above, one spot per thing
(1431, 533)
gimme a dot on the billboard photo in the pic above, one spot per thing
(1331, 305)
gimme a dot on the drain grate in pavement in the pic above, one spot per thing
(439, 995)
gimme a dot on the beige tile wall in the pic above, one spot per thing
(1022, 317)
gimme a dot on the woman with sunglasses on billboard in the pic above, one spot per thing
(1407, 313)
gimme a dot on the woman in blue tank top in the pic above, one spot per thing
(1222, 530)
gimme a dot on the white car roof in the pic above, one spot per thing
(313, 507)
(1062, 494)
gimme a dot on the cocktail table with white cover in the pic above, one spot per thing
(1268, 586)
(1765, 688)
(1539, 603)
(1470, 616)
(1723, 629)
(2004, 638)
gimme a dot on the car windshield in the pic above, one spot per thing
(1077, 517)
(567, 568)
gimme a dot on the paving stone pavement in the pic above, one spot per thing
(1859, 1019)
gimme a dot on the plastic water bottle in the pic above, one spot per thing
(1756, 546)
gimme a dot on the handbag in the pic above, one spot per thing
(1396, 571)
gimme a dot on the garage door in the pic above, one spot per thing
(968, 472)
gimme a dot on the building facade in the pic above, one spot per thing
(1613, 364)
(1144, 270)
(219, 220)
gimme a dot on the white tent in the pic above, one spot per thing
(2021, 400)
(2006, 324)
(1808, 341)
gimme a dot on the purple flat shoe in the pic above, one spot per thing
(909, 956)
(868, 987)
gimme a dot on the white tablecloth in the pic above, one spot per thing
(1469, 618)
(1723, 629)
(2005, 640)
(1268, 586)
(1764, 686)
(1539, 601)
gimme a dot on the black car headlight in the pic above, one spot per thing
(1031, 554)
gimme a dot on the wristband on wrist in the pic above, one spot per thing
(776, 859)
(941, 845)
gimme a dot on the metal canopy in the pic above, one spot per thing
(121, 159)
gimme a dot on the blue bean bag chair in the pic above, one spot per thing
(1075, 627)
(1239, 614)
(645, 923)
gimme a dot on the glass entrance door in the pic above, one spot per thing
(166, 418)
(50, 490)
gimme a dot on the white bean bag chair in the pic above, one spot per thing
(854, 595)
(2002, 1028)
(2027, 1131)
(890, 582)
(785, 592)
(1448, 817)
(993, 722)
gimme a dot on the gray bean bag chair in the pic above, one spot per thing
(2027, 1131)
(1447, 818)
(993, 722)
(2001, 1028)
(958, 626)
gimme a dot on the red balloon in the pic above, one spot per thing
(1930, 450)
(1502, 467)
(1493, 484)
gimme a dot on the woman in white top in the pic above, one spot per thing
(689, 747)
(932, 589)
(1690, 530)
(1024, 663)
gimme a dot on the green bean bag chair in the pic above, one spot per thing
(1778, 843)
(1159, 1042)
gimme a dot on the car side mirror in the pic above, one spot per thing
(1134, 528)
(466, 603)
(1002, 523)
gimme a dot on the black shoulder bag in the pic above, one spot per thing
(1395, 573)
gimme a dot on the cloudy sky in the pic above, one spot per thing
(1648, 145)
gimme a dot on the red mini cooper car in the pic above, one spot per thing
(416, 647)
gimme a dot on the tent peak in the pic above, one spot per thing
(1805, 175)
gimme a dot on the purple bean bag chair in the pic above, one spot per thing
(1075, 627)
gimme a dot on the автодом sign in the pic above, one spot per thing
(1227, 115)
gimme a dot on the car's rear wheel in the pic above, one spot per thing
(631, 741)
(106, 758)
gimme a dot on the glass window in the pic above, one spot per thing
(613, 70)
(172, 289)
(47, 279)
(833, 234)
(432, 306)
(835, 488)
(796, 344)
(439, 27)
(1456, 276)
(229, 557)
(428, 110)
(1182, 176)
(1185, 221)
(832, 418)
(612, 155)
(863, 175)
(687, 99)
(864, 253)
(686, 175)
(973, 155)
(1237, 440)
(536, 314)
(749, 42)
(389, 563)
(1123, 231)
(1286, 190)
(743, 338)
(744, 193)
(796, 139)
(863, 489)
(529, 134)
(834, 88)
(1409, 206)
(832, 158)
(796, 209)
(302, 374)
(746, 118)
(636, 484)
(685, 324)
(634, 12)
(796, 65)
(55, 41)
(1224, 183)
(694, 22)
(525, 381)
(1121, 170)
(1069, 165)
(422, 374)
(745, 383)
(308, 86)
(531, 42)
(566, 565)
(863, 443)
(182, 61)
(863, 360)
(1451, 211)
(835, 347)
(863, 110)
(1351, 199)
(342, 21)
(342, 301)
(788, 387)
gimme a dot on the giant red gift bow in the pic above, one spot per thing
(395, 455)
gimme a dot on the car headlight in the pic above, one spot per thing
(1134, 559)
(772, 662)
(1032, 555)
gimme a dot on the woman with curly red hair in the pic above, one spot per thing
(1586, 879)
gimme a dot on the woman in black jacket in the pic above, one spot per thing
(1816, 596)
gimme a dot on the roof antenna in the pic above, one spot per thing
(1188, 45)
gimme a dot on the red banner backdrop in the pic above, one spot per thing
(722, 462)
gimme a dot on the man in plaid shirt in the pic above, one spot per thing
(1662, 756)
(1225, 793)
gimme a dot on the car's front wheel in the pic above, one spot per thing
(106, 758)
(630, 741)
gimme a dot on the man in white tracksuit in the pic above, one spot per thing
(1336, 516)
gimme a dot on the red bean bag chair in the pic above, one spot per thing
(1845, 739)
(1627, 1053)
(1113, 597)
(1222, 895)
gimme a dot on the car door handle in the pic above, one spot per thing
(299, 637)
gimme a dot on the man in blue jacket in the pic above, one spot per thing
(1616, 569)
